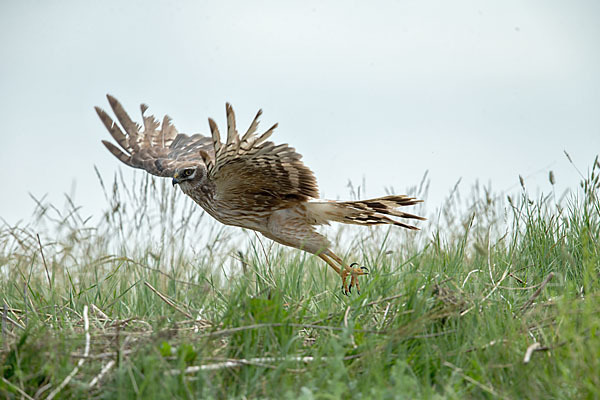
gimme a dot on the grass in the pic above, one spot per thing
(497, 298)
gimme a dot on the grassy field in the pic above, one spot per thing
(496, 298)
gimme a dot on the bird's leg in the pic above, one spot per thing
(330, 263)
(354, 272)
(343, 274)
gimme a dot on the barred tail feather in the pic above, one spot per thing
(363, 212)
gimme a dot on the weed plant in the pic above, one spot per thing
(497, 297)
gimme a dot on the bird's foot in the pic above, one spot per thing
(354, 273)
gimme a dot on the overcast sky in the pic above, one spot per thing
(380, 91)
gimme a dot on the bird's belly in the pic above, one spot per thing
(254, 221)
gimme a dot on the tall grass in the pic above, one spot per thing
(496, 297)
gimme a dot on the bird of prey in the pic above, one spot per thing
(248, 181)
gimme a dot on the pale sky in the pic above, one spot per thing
(380, 91)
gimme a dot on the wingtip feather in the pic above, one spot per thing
(117, 152)
(111, 99)
(214, 129)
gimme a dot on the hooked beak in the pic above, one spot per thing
(175, 181)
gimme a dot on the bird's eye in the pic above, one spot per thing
(188, 172)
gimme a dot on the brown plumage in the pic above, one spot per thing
(248, 181)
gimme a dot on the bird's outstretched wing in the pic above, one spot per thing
(158, 148)
(251, 173)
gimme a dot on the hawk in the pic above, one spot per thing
(248, 181)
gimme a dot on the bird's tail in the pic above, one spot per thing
(363, 212)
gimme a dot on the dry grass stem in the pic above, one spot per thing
(99, 312)
(103, 372)
(18, 389)
(229, 331)
(169, 302)
(44, 261)
(496, 285)
(260, 361)
(530, 301)
(469, 275)
(534, 347)
(396, 296)
(473, 381)
(65, 382)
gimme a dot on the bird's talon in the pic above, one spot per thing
(365, 269)
(345, 290)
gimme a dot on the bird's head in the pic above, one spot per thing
(189, 177)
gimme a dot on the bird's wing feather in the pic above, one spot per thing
(255, 174)
(157, 148)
